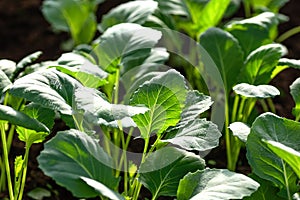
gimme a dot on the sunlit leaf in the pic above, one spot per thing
(89, 74)
(261, 63)
(253, 32)
(289, 155)
(256, 91)
(215, 184)
(50, 88)
(164, 95)
(240, 130)
(102, 189)
(124, 43)
(130, 12)
(199, 135)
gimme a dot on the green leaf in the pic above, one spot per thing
(195, 104)
(253, 32)
(240, 130)
(131, 12)
(295, 92)
(208, 17)
(164, 95)
(71, 155)
(215, 184)
(5, 83)
(225, 51)
(163, 169)
(77, 17)
(24, 63)
(38, 193)
(82, 69)
(256, 91)
(289, 155)
(18, 118)
(30, 136)
(102, 189)
(50, 88)
(263, 161)
(266, 190)
(289, 63)
(273, 5)
(199, 135)
(28, 60)
(261, 63)
(42, 114)
(98, 110)
(173, 7)
(124, 43)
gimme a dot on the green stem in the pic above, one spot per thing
(286, 180)
(235, 106)
(137, 184)
(264, 105)
(271, 105)
(247, 9)
(228, 137)
(297, 118)
(24, 173)
(288, 34)
(241, 109)
(6, 161)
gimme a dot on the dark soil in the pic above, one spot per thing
(24, 31)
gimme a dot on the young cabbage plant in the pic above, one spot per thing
(273, 154)
(9, 72)
(30, 131)
(246, 96)
(73, 16)
(160, 111)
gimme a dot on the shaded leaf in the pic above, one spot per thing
(215, 184)
(226, 52)
(50, 88)
(131, 12)
(71, 155)
(163, 169)
(261, 63)
(256, 91)
(18, 118)
(42, 114)
(266, 190)
(262, 160)
(164, 95)
(295, 92)
(240, 130)
(39, 193)
(289, 155)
